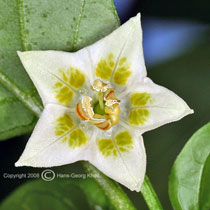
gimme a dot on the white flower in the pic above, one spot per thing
(97, 103)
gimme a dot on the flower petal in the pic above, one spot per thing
(59, 138)
(119, 56)
(151, 106)
(121, 156)
(58, 76)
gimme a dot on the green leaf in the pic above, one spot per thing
(13, 122)
(43, 25)
(15, 118)
(189, 180)
(65, 194)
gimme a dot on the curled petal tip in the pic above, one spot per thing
(191, 111)
(21, 162)
(188, 111)
(18, 164)
(137, 188)
(138, 15)
(136, 19)
(19, 53)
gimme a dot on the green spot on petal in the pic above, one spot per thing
(105, 67)
(122, 61)
(140, 99)
(121, 76)
(122, 72)
(63, 93)
(138, 116)
(106, 147)
(77, 138)
(74, 78)
(77, 79)
(63, 124)
(123, 141)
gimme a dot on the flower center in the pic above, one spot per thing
(103, 111)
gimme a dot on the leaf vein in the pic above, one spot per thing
(8, 100)
(19, 127)
(76, 32)
(23, 36)
(30, 101)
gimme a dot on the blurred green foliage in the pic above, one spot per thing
(66, 194)
(189, 183)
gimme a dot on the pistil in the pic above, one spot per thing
(101, 100)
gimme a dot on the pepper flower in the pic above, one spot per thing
(98, 102)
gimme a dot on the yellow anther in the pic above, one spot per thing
(100, 86)
(110, 97)
(114, 119)
(86, 105)
(105, 125)
(81, 112)
(110, 94)
(99, 116)
(114, 113)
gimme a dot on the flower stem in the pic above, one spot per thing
(150, 196)
(112, 190)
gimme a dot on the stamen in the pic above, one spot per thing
(105, 113)
(86, 105)
(100, 86)
(104, 125)
(81, 113)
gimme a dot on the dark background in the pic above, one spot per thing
(177, 53)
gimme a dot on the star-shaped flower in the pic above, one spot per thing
(97, 103)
